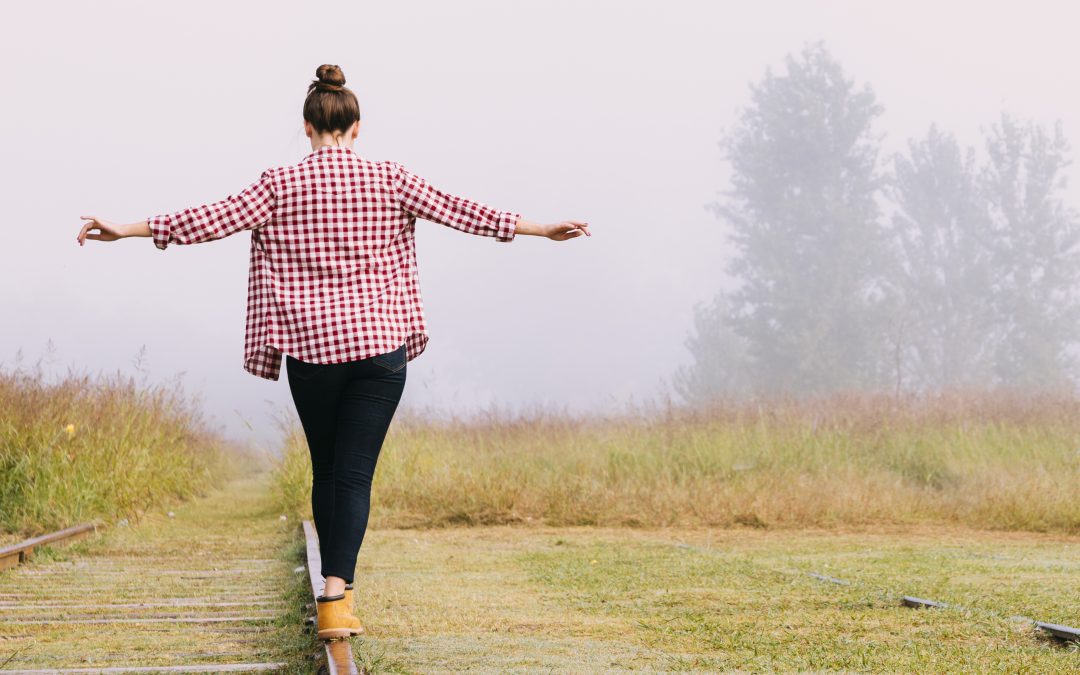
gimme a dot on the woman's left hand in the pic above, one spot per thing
(106, 231)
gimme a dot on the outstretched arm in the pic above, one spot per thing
(565, 229)
(246, 210)
(107, 231)
(421, 199)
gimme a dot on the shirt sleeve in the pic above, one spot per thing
(246, 210)
(422, 200)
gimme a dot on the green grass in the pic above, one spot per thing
(291, 474)
(296, 645)
(603, 600)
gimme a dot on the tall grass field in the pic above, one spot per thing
(997, 460)
(99, 447)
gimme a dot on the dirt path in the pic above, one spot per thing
(204, 586)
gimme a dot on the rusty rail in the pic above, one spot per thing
(339, 657)
(1064, 633)
(1060, 632)
(18, 553)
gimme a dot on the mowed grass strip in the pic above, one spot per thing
(601, 600)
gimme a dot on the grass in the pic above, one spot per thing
(683, 539)
(996, 460)
(291, 474)
(593, 599)
(105, 448)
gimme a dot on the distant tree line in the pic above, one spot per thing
(924, 270)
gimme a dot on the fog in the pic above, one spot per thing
(608, 112)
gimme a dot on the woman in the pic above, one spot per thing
(333, 285)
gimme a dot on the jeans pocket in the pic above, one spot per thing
(392, 361)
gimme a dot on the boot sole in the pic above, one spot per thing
(332, 633)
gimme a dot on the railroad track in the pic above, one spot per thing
(1059, 631)
(201, 592)
(338, 657)
(175, 606)
(18, 553)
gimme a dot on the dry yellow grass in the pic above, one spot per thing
(101, 447)
(1002, 460)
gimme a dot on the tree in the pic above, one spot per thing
(719, 367)
(941, 231)
(804, 216)
(1035, 263)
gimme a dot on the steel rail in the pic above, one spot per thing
(202, 668)
(1064, 633)
(18, 553)
(339, 657)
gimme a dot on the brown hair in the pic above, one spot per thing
(330, 105)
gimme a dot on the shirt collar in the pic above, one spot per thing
(329, 150)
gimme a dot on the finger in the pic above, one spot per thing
(580, 230)
(83, 234)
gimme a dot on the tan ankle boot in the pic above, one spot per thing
(348, 598)
(334, 619)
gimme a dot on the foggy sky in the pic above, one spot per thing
(608, 112)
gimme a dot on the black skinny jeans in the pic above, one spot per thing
(345, 409)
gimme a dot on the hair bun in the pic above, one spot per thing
(330, 76)
(330, 106)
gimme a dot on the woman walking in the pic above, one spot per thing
(333, 286)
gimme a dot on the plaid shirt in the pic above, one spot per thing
(332, 273)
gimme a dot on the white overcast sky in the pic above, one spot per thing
(608, 112)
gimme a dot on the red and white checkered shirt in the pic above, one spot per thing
(332, 273)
